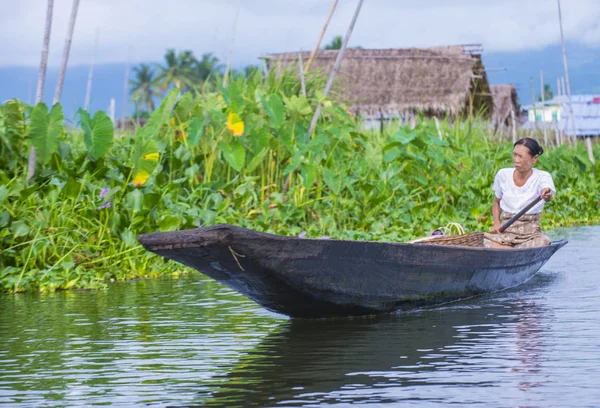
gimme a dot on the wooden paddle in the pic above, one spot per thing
(519, 214)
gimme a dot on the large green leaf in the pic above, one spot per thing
(184, 107)
(134, 200)
(72, 188)
(298, 105)
(256, 160)
(146, 158)
(160, 116)
(275, 109)
(333, 180)
(45, 130)
(259, 141)
(213, 102)
(309, 173)
(169, 222)
(98, 133)
(404, 137)
(234, 153)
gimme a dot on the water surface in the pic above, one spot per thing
(193, 342)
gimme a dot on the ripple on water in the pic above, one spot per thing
(194, 342)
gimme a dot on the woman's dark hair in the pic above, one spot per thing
(532, 145)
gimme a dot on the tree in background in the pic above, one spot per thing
(207, 67)
(144, 86)
(335, 44)
(178, 70)
(181, 70)
(548, 93)
(251, 69)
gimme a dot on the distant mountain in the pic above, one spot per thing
(108, 82)
(583, 63)
(584, 69)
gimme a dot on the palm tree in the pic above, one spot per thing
(143, 87)
(39, 95)
(548, 93)
(249, 70)
(178, 70)
(335, 44)
(207, 67)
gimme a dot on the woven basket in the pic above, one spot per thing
(472, 239)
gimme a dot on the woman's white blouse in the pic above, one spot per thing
(513, 198)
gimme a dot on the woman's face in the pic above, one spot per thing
(522, 160)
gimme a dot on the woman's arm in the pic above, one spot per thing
(496, 215)
(547, 190)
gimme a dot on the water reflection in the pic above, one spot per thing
(390, 359)
(193, 342)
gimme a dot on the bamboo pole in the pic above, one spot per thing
(39, 94)
(558, 121)
(568, 82)
(565, 131)
(88, 89)
(336, 67)
(301, 72)
(314, 51)
(66, 50)
(514, 124)
(125, 88)
(228, 64)
(558, 87)
(437, 126)
(542, 91)
(111, 110)
(533, 103)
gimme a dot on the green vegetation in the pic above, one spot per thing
(242, 155)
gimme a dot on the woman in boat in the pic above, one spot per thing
(515, 188)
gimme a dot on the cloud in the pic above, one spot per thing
(144, 29)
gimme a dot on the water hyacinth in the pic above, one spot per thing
(105, 205)
(103, 192)
(255, 166)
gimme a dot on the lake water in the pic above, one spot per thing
(193, 342)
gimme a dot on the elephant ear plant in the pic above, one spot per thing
(98, 133)
(242, 155)
(45, 130)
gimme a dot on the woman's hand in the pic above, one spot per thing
(546, 194)
(495, 229)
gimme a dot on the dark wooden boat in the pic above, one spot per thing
(316, 278)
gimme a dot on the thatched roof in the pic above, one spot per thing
(505, 98)
(396, 81)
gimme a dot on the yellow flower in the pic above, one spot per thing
(151, 156)
(140, 178)
(235, 124)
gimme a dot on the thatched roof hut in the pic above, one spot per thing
(505, 99)
(392, 82)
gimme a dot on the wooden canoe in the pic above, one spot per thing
(317, 278)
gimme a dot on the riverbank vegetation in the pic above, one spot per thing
(242, 155)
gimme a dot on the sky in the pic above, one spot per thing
(141, 30)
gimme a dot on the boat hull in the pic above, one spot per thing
(313, 278)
